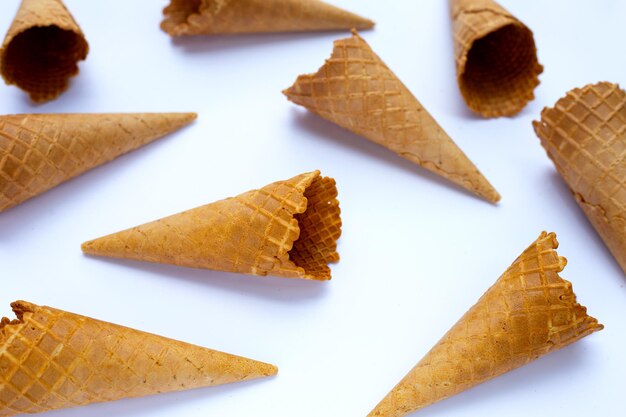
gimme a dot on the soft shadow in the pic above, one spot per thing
(278, 289)
(202, 44)
(328, 131)
(150, 404)
(565, 364)
(38, 209)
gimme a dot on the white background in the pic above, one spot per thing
(416, 251)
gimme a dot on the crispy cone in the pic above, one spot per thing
(51, 359)
(530, 311)
(42, 48)
(288, 229)
(585, 135)
(496, 58)
(356, 90)
(205, 17)
(40, 151)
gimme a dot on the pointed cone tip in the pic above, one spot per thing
(467, 176)
(410, 395)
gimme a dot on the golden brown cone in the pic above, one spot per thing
(53, 359)
(585, 135)
(530, 311)
(357, 91)
(496, 58)
(42, 48)
(40, 151)
(205, 17)
(288, 229)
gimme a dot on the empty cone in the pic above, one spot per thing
(496, 58)
(530, 311)
(40, 151)
(356, 90)
(288, 229)
(205, 17)
(53, 359)
(585, 136)
(42, 48)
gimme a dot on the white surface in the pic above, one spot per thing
(416, 252)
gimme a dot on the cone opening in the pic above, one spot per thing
(19, 308)
(320, 227)
(40, 60)
(573, 323)
(501, 71)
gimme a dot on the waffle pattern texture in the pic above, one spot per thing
(585, 136)
(288, 229)
(40, 151)
(496, 58)
(529, 312)
(357, 91)
(42, 48)
(205, 17)
(51, 359)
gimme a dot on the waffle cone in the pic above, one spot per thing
(206, 17)
(40, 151)
(496, 58)
(53, 359)
(287, 229)
(42, 48)
(585, 136)
(357, 91)
(530, 311)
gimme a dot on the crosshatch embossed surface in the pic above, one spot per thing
(53, 359)
(416, 251)
(585, 135)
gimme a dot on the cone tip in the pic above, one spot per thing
(185, 117)
(367, 24)
(270, 370)
(494, 196)
(88, 247)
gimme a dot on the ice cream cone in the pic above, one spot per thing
(585, 136)
(529, 312)
(496, 58)
(206, 17)
(42, 48)
(356, 90)
(51, 359)
(287, 229)
(40, 151)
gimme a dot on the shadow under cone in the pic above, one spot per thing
(357, 91)
(585, 136)
(40, 151)
(205, 17)
(529, 312)
(42, 48)
(288, 229)
(53, 359)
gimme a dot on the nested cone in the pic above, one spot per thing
(53, 359)
(42, 48)
(585, 136)
(288, 229)
(496, 58)
(206, 17)
(357, 91)
(529, 312)
(40, 151)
